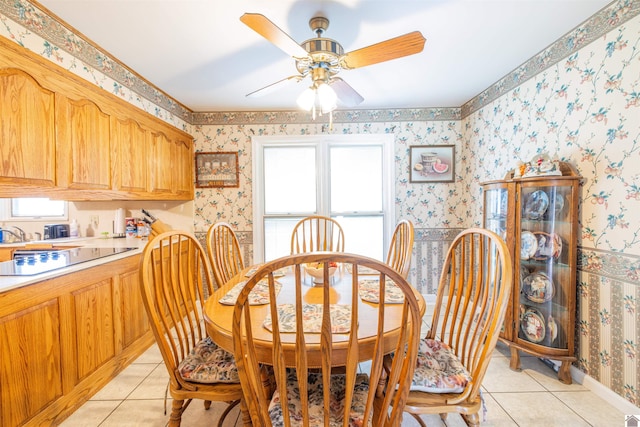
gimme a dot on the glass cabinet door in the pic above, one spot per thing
(496, 202)
(545, 274)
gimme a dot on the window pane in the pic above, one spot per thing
(356, 179)
(277, 237)
(363, 235)
(37, 207)
(289, 179)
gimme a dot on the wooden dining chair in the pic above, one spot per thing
(471, 301)
(224, 252)
(401, 248)
(175, 276)
(316, 371)
(317, 233)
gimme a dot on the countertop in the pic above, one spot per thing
(12, 282)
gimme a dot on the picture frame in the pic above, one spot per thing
(217, 169)
(432, 163)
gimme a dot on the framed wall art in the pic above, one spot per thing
(217, 170)
(432, 163)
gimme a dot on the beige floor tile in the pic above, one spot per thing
(592, 408)
(538, 409)
(123, 384)
(91, 414)
(546, 376)
(152, 355)
(136, 413)
(153, 386)
(500, 378)
(495, 415)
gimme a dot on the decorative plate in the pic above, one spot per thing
(537, 287)
(548, 246)
(558, 204)
(528, 245)
(533, 325)
(553, 329)
(536, 205)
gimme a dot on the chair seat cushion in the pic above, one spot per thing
(316, 406)
(438, 369)
(208, 363)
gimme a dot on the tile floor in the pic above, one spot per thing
(533, 397)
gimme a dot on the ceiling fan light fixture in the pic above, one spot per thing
(327, 98)
(307, 99)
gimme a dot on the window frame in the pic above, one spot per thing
(6, 211)
(323, 142)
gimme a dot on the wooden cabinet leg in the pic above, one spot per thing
(515, 360)
(564, 372)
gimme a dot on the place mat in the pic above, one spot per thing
(362, 270)
(312, 318)
(259, 295)
(369, 290)
(277, 273)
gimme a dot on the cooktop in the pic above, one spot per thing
(30, 262)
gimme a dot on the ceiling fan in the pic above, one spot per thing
(323, 58)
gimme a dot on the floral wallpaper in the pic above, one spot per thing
(577, 100)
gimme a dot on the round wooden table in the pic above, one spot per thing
(218, 318)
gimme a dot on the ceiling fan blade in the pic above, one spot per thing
(270, 31)
(397, 47)
(273, 86)
(346, 94)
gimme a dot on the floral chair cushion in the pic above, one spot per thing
(315, 401)
(208, 363)
(438, 369)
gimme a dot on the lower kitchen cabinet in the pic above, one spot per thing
(64, 338)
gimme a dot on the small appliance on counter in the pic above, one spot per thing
(56, 231)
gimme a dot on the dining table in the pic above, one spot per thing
(218, 313)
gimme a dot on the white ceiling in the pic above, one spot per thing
(199, 53)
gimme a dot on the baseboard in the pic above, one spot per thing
(605, 393)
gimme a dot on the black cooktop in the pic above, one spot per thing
(31, 262)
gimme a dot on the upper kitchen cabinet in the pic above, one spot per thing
(130, 149)
(27, 132)
(83, 145)
(64, 138)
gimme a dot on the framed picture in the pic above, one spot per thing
(217, 170)
(432, 163)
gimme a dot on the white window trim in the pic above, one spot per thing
(388, 176)
(6, 214)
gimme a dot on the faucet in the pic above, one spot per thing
(20, 235)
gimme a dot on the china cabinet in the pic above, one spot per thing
(537, 217)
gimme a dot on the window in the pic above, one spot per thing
(35, 208)
(346, 177)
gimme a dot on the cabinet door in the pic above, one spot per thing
(184, 179)
(499, 217)
(161, 174)
(130, 155)
(83, 142)
(546, 270)
(27, 131)
(30, 362)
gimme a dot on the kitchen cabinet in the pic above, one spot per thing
(83, 145)
(538, 219)
(130, 145)
(65, 338)
(28, 150)
(65, 138)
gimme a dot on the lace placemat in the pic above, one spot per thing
(367, 271)
(369, 290)
(259, 295)
(312, 318)
(277, 273)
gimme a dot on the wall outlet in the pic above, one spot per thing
(95, 219)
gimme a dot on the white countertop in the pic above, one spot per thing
(12, 282)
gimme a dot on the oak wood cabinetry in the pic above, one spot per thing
(538, 219)
(28, 151)
(65, 138)
(65, 338)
